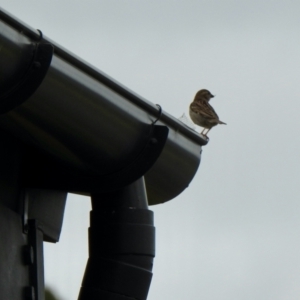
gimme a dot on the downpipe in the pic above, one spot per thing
(121, 246)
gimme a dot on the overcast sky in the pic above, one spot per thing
(235, 232)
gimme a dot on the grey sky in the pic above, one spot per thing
(235, 232)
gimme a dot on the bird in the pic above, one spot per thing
(202, 113)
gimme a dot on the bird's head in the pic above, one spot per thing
(204, 94)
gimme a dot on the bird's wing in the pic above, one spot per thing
(205, 109)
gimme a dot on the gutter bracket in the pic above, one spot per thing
(31, 80)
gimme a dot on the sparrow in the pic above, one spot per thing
(202, 113)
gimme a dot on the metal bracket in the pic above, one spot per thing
(31, 80)
(47, 207)
(34, 258)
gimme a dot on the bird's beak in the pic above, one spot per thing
(213, 96)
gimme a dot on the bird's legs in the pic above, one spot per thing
(205, 134)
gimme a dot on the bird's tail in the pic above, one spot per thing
(220, 122)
